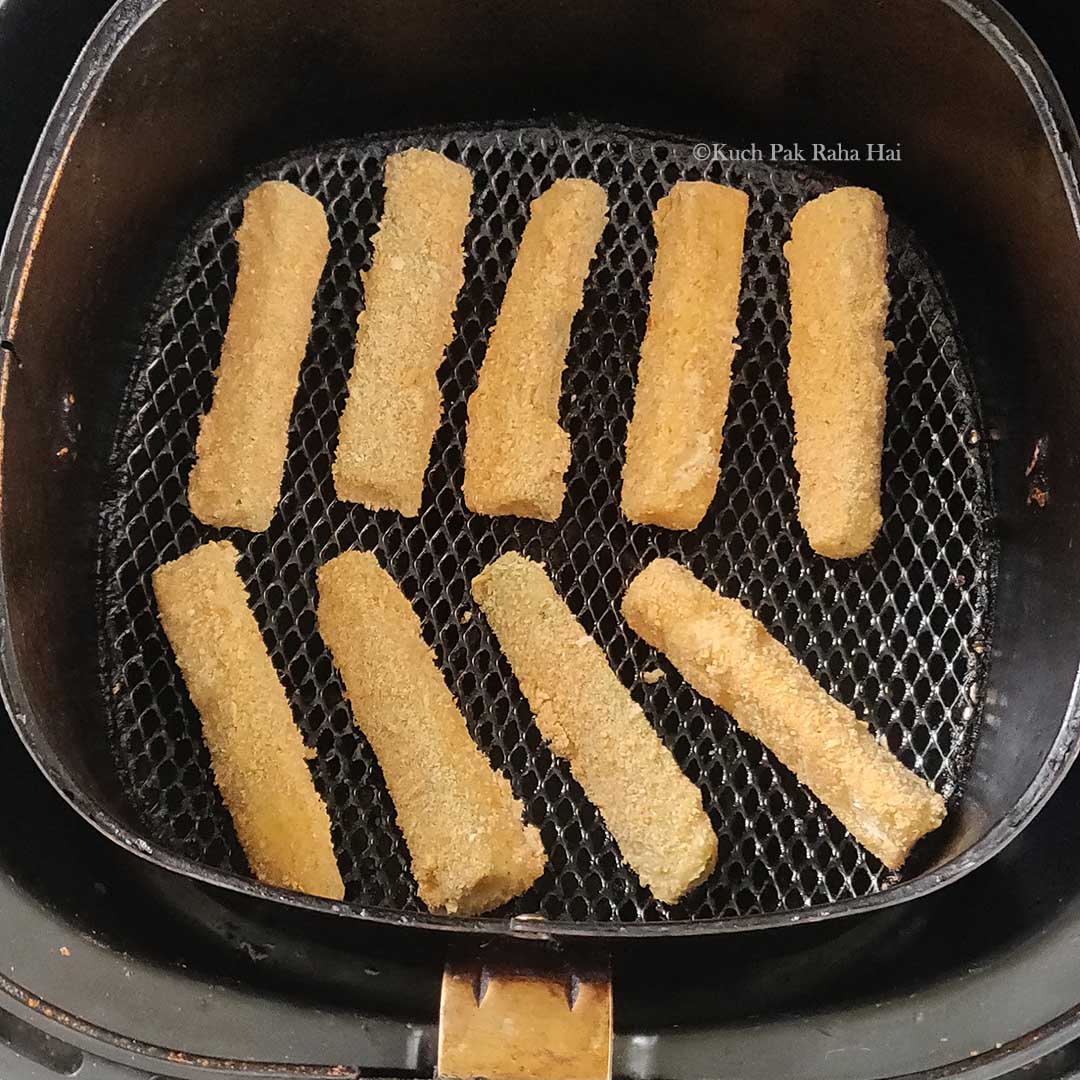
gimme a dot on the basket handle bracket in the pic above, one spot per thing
(522, 1013)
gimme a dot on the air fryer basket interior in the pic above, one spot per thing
(901, 633)
(202, 97)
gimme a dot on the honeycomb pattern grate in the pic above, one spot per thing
(899, 633)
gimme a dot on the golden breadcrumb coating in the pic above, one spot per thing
(654, 813)
(256, 750)
(240, 451)
(470, 850)
(839, 303)
(516, 454)
(729, 657)
(416, 273)
(684, 374)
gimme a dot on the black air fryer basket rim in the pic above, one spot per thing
(129, 1051)
(112, 36)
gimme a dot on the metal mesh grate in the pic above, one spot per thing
(898, 633)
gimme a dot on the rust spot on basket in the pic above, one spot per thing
(1038, 483)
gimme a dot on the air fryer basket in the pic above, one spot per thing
(140, 158)
(902, 632)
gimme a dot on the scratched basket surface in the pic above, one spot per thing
(899, 634)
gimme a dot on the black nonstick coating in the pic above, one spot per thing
(901, 634)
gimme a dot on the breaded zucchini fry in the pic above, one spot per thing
(589, 717)
(684, 374)
(256, 750)
(417, 271)
(728, 656)
(240, 451)
(516, 454)
(839, 303)
(470, 851)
